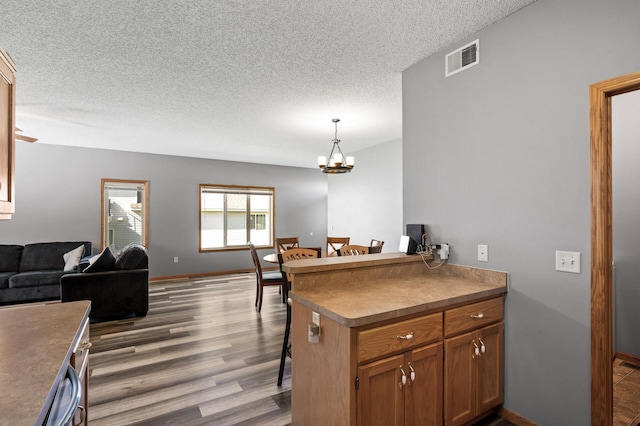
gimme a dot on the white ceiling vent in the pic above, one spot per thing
(462, 58)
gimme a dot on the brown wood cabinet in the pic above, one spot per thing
(403, 389)
(355, 375)
(7, 135)
(473, 362)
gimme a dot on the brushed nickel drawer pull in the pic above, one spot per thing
(85, 346)
(479, 316)
(407, 337)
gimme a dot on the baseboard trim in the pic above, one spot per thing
(628, 358)
(515, 418)
(201, 275)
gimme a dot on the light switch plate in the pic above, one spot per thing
(568, 261)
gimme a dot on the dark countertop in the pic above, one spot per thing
(36, 342)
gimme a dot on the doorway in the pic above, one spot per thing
(600, 95)
(124, 213)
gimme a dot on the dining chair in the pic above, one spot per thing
(284, 244)
(263, 278)
(375, 243)
(375, 249)
(353, 250)
(375, 246)
(334, 244)
(293, 254)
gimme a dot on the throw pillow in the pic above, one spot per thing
(101, 262)
(72, 258)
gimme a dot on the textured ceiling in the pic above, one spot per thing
(255, 81)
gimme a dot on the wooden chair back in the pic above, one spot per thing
(334, 244)
(375, 246)
(375, 243)
(256, 259)
(284, 244)
(353, 250)
(295, 254)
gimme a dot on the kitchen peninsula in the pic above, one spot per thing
(37, 344)
(401, 341)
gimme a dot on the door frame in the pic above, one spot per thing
(600, 95)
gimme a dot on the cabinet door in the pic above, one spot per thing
(381, 393)
(423, 396)
(7, 141)
(489, 368)
(459, 379)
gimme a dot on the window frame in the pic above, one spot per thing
(236, 189)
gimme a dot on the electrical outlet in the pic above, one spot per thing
(483, 253)
(315, 318)
(175, 259)
(568, 261)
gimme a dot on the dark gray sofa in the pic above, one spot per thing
(121, 288)
(32, 272)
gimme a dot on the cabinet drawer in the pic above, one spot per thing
(400, 336)
(472, 316)
(79, 358)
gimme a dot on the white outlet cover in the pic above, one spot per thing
(483, 253)
(568, 261)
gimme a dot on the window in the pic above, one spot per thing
(231, 216)
(124, 212)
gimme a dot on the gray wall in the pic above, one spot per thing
(499, 155)
(626, 221)
(58, 198)
(367, 203)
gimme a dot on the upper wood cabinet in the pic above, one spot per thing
(7, 135)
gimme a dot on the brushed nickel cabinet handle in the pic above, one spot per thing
(476, 350)
(407, 337)
(479, 316)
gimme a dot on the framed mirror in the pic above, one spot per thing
(125, 212)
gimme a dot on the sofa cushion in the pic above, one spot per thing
(4, 279)
(133, 256)
(101, 262)
(47, 256)
(10, 258)
(35, 278)
(72, 258)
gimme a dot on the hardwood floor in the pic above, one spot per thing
(201, 356)
(626, 394)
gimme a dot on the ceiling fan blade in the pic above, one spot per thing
(24, 137)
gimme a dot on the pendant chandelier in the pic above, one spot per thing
(337, 162)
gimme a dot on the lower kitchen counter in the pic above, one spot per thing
(36, 343)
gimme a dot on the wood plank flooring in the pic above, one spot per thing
(626, 394)
(201, 356)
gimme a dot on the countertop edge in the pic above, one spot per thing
(399, 313)
(44, 411)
